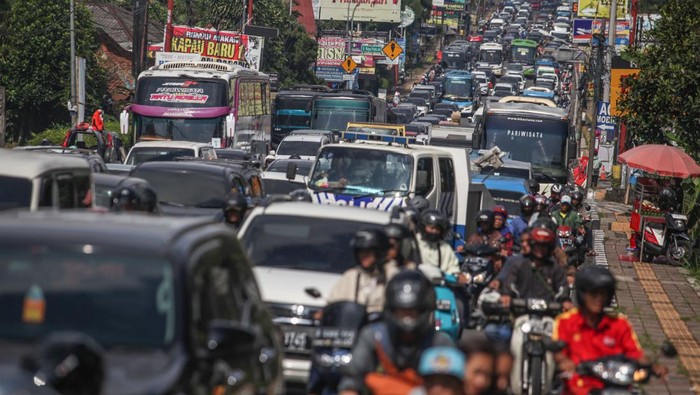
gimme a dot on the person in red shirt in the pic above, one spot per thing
(590, 333)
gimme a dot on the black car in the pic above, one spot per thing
(193, 188)
(167, 305)
(105, 184)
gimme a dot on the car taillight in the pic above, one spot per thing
(490, 85)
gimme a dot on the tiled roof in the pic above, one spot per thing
(117, 23)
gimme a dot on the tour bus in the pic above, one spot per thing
(492, 54)
(383, 174)
(292, 110)
(456, 56)
(524, 52)
(460, 90)
(223, 104)
(538, 134)
(333, 111)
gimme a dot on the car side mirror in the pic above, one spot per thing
(291, 171)
(272, 152)
(227, 339)
(421, 182)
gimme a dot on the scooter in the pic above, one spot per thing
(669, 238)
(332, 344)
(573, 245)
(448, 308)
(479, 271)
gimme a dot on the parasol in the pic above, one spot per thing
(664, 160)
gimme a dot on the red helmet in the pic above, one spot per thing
(542, 236)
(500, 210)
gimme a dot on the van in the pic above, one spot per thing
(32, 180)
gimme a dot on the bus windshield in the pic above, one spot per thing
(335, 114)
(491, 56)
(181, 92)
(541, 142)
(362, 171)
(200, 130)
(459, 88)
(454, 60)
(523, 54)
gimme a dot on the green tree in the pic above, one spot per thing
(35, 63)
(662, 103)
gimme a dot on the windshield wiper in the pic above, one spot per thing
(381, 193)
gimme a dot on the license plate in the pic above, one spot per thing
(297, 339)
(334, 337)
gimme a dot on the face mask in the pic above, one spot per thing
(432, 237)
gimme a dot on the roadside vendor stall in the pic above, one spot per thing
(664, 165)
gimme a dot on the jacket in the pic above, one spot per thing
(571, 219)
(439, 254)
(525, 280)
(519, 225)
(359, 286)
(493, 239)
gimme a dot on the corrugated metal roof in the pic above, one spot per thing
(117, 23)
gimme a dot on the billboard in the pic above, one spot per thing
(616, 76)
(601, 9)
(360, 10)
(331, 53)
(584, 29)
(218, 45)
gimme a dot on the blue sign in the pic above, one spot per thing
(330, 73)
(604, 121)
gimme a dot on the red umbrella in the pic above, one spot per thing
(660, 159)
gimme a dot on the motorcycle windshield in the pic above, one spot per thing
(344, 315)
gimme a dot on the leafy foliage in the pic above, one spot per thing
(662, 103)
(35, 63)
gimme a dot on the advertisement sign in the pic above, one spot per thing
(585, 28)
(218, 45)
(447, 18)
(163, 57)
(601, 9)
(360, 10)
(330, 57)
(605, 123)
(616, 77)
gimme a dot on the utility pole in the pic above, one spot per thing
(169, 27)
(597, 57)
(73, 102)
(612, 28)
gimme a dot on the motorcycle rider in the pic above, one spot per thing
(434, 250)
(364, 283)
(485, 233)
(590, 333)
(565, 215)
(235, 209)
(137, 197)
(541, 209)
(584, 214)
(555, 195)
(481, 358)
(534, 186)
(403, 250)
(520, 223)
(500, 223)
(387, 353)
(442, 370)
(537, 276)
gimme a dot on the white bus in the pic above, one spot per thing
(492, 54)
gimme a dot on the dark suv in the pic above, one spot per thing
(172, 302)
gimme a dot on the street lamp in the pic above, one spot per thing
(351, 20)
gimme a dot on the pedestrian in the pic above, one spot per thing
(442, 370)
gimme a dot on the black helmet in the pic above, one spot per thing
(86, 372)
(434, 218)
(527, 205)
(419, 203)
(577, 195)
(371, 239)
(484, 216)
(534, 185)
(411, 290)
(545, 222)
(136, 197)
(667, 199)
(592, 277)
(404, 240)
(300, 195)
(235, 202)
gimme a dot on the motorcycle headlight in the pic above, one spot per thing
(564, 233)
(479, 278)
(679, 223)
(618, 373)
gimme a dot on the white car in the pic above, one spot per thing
(299, 251)
(304, 146)
(521, 80)
(503, 90)
(149, 151)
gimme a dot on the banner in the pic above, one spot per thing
(601, 9)
(331, 53)
(585, 28)
(164, 57)
(218, 45)
(447, 18)
(360, 10)
(616, 76)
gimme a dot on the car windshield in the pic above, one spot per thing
(156, 154)
(181, 187)
(351, 170)
(302, 243)
(120, 299)
(280, 166)
(281, 187)
(15, 193)
(302, 148)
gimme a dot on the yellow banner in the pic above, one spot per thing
(601, 9)
(616, 76)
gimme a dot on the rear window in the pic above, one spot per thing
(15, 193)
(148, 154)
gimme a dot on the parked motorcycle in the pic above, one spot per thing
(448, 308)
(332, 344)
(669, 238)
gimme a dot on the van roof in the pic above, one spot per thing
(171, 144)
(303, 209)
(33, 164)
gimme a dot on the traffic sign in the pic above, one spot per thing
(349, 65)
(392, 50)
(604, 121)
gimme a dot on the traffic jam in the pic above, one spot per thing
(319, 240)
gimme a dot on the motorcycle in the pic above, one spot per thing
(448, 307)
(669, 238)
(479, 271)
(618, 374)
(331, 347)
(573, 245)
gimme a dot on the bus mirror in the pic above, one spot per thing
(571, 149)
(230, 125)
(124, 122)
(421, 182)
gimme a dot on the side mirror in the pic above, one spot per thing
(230, 126)
(291, 171)
(227, 339)
(124, 122)
(313, 292)
(421, 182)
(272, 152)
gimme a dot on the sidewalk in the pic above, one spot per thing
(658, 300)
